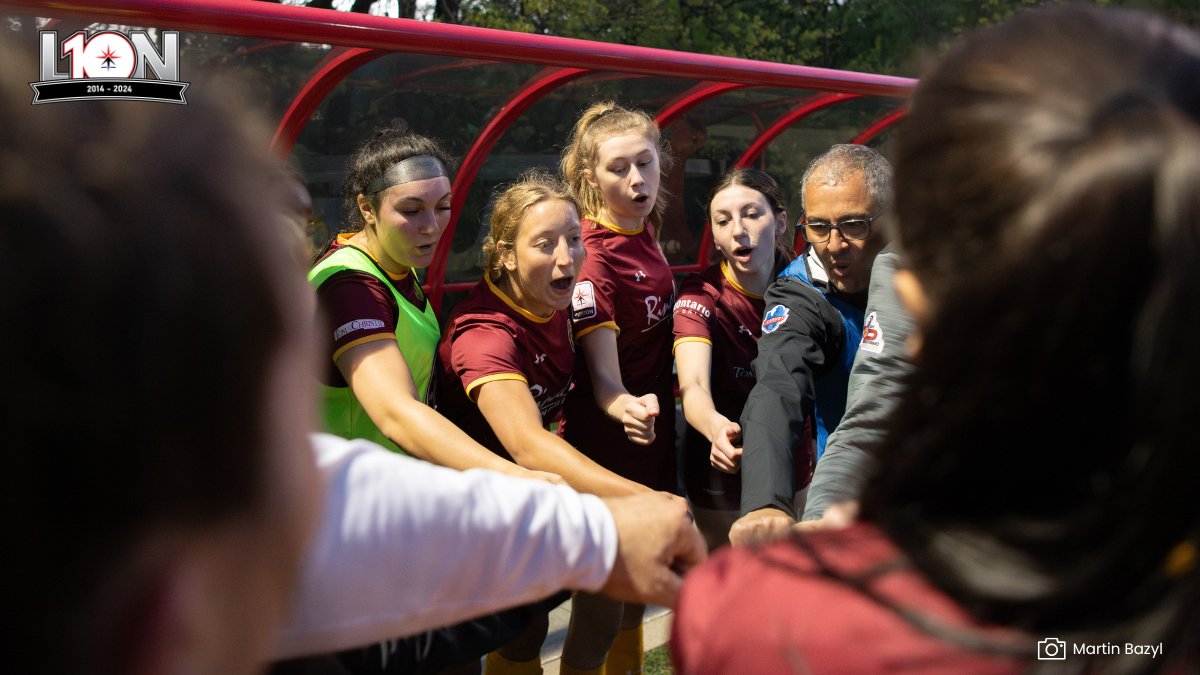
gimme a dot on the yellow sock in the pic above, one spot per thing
(625, 655)
(565, 669)
(496, 664)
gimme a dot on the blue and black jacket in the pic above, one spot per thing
(809, 338)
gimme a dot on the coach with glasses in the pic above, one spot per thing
(811, 330)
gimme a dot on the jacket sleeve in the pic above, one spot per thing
(792, 353)
(875, 385)
(403, 546)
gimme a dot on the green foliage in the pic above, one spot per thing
(871, 35)
(882, 36)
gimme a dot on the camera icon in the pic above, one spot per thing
(1052, 649)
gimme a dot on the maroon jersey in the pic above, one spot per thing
(713, 308)
(625, 284)
(357, 308)
(488, 338)
(837, 601)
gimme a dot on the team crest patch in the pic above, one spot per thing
(774, 318)
(872, 339)
(583, 301)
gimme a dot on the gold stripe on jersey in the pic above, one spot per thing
(479, 382)
(513, 305)
(617, 228)
(362, 341)
(734, 283)
(690, 338)
(607, 324)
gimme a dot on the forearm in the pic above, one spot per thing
(699, 411)
(768, 472)
(839, 477)
(370, 574)
(425, 434)
(876, 385)
(541, 450)
(773, 429)
(773, 420)
(611, 398)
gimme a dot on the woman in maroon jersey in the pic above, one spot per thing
(1035, 506)
(507, 358)
(621, 412)
(718, 318)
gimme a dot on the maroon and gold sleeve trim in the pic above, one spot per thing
(612, 325)
(362, 341)
(690, 338)
(472, 389)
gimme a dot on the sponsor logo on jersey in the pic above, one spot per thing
(656, 310)
(686, 305)
(538, 358)
(357, 324)
(639, 275)
(774, 318)
(583, 301)
(548, 403)
(872, 339)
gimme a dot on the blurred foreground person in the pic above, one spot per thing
(1035, 508)
(163, 488)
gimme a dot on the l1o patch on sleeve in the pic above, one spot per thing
(774, 318)
(583, 301)
(872, 339)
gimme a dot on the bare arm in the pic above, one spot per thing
(512, 413)
(693, 360)
(379, 376)
(636, 413)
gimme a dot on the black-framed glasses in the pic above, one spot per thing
(851, 229)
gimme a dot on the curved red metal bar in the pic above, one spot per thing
(764, 139)
(325, 76)
(881, 125)
(785, 122)
(541, 84)
(692, 98)
(305, 24)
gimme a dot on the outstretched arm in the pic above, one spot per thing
(635, 413)
(876, 381)
(404, 546)
(512, 413)
(791, 351)
(380, 378)
(693, 362)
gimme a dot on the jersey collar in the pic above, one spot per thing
(734, 282)
(513, 305)
(618, 229)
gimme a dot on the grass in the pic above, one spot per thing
(657, 662)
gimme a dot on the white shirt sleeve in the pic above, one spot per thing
(403, 546)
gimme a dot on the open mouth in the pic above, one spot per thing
(563, 284)
(742, 251)
(641, 199)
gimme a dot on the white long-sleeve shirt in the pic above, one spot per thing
(403, 546)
